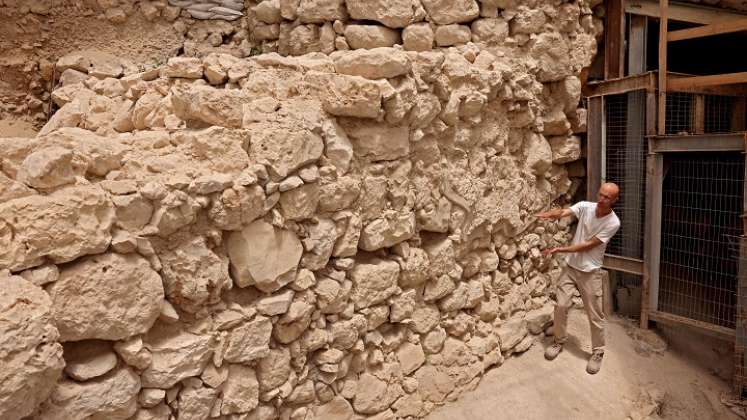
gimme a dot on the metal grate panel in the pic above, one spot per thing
(701, 208)
(625, 164)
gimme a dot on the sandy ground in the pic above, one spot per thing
(530, 387)
(16, 128)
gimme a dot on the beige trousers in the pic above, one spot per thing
(589, 285)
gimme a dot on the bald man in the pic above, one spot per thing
(597, 224)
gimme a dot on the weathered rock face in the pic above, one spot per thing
(108, 296)
(337, 227)
(62, 226)
(32, 358)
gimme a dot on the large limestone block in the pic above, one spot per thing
(264, 256)
(565, 149)
(392, 13)
(345, 96)
(48, 168)
(62, 226)
(176, 354)
(320, 11)
(552, 52)
(31, 357)
(286, 147)
(237, 207)
(490, 30)
(186, 67)
(193, 275)
(371, 36)
(538, 154)
(249, 342)
(110, 397)
(374, 395)
(387, 231)
(511, 333)
(376, 63)
(337, 409)
(221, 107)
(373, 282)
(374, 141)
(108, 296)
(274, 369)
(418, 37)
(240, 391)
(444, 12)
(453, 34)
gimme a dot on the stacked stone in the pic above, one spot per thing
(340, 236)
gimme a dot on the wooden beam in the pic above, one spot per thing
(645, 81)
(652, 241)
(708, 30)
(663, 25)
(717, 331)
(683, 12)
(624, 264)
(705, 81)
(698, 143)
(725, 90)
(614, 50)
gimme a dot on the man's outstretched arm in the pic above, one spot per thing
(583, 246)
(554, 214)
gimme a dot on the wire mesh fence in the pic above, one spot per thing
(717, 113)
(701, 219)
(680, 107)
(625, 164)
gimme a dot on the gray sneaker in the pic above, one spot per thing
(553, 351)
(595, 362)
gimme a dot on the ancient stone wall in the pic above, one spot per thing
(334, 236)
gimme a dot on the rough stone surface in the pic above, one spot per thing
(32, 358)
(108, 296)
(86, 360)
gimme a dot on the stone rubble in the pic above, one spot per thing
(338, 228)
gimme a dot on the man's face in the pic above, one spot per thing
(606, 197)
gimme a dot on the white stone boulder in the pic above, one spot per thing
(177, 354)
(376, 63)
(392, 13)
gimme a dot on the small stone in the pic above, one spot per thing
(290, 183)
(88, 359)
(275, 305)
(151, 397)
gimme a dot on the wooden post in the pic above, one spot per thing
(663, 24)
(652, 161)
(637, 44)
(739, 113)
(594, 134)
(699, 114)
(614, 50)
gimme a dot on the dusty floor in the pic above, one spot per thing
(529, 387)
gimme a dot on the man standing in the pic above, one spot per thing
(597, 223)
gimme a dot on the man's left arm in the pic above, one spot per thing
(581, 247)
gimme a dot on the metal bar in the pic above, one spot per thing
(698, 143)
(614, 41)
(645, 81)
(717, 331)
(705, 81)
(708, 30)
(624, 264)
(663, 24)
(637, 36)
(699, 114)
(651, 109)
(684, 12)
(594, 146)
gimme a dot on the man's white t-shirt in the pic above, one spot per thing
(590, 226)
